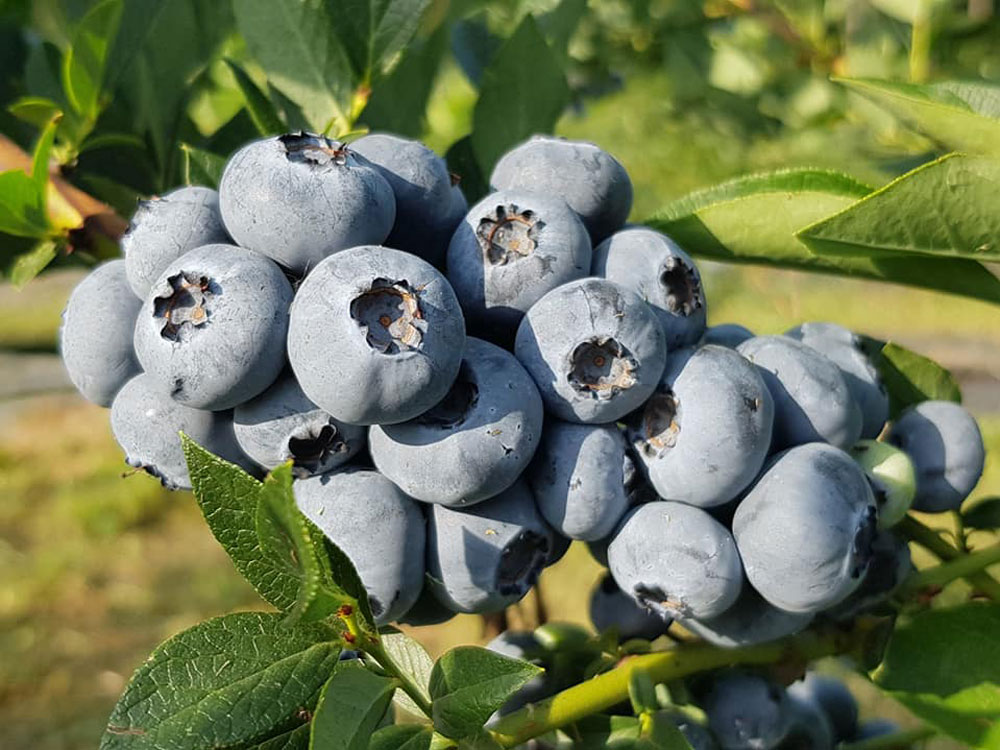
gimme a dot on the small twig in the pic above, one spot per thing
(961, 567)
(932, 542)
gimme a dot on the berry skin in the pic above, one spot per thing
(705, 433)
(727, 334)
(809, 730)
(751, 620)
(281, 424)
(428, 207)
(811, 399)
(593, 183)
(892, 477)
(576, 479)
(805, 529)
(676, 560)
(375, 336)
(95, 339)
(843, 348)
(474, 443)
(889, 567)
(212, 328)
(484, 558)
(610, 607)
(511, 248)
(147, 424)
(164, 228)
(299, 197)
(427, 610)
(747, 711)
(944, 443)
(653, 266)
(834, 700)
(594, 349)
(379, 528)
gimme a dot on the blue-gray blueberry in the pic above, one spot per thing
(890, 565)
(212, 328)
(833, 699)
(810, 729)
(747, 711)
(727, 334)
(610, 607)
(95, 339)
(376, 336)
(751, 620)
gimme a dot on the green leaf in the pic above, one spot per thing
(523, 92)
(985, 514)
(402, 737)
(559, 24)
(755, 220)
(262, 112)
(241, 678)
(945, 208)
(979, 96)
(936, 112)
(910, 378)
(38, 110)
(469, 683)
(139, 23)
(943, 665)
(350, 707)
(642, 692)
(21, 213)
(112, 140)
(413, 660)
(462, 162)
(28, 265)
(293, 739)
(40, 159)
(310, 65)
(84, 62)
(202, 167)
(373, 31)
(660, 732)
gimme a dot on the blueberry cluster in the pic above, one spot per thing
(462, 391)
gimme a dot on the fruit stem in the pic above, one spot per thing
(929, 539)
(895, 741)
(612, 687)
(961, 567)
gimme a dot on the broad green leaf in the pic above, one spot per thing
(41, 156)
(414, 660)
(523, 92)
(759, 225)
(350, 707)
(979, 96)
(481, 740)
(139, 22)
(938, 113)
(910, 378)
(28, 265)
(469, 683)
(642, 692)
(944, 665)
(944, 208)
(84, 62)
(21, 209)
(38, 110)
(202, 167)
(985, 514)
(372, 32)
(112, 140)
(559, 24)
(660, 732)
(293, 739)
(402, 737)
(237, 680)
(463, 163)
(262, 111)
(310, 65)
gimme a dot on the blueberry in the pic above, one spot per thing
(428, 208)
(281, 424)
(513, 247)
(593, 183)
(484, 558)
(518, 644)
(212, 328)
(873, 728)
(747, 711)
(726, 334)
(811, 398)
(806, 527)
(810, 729)
(944, 443)
(427, 610)
(610, 607)
(843, 348)
(706, 432)
(581, 478)
(751, 620)
(653, 266)
(473, 444)
(379, 528)
(164, 228)
(376, 336)
(560, 546)
(594, 349)
(599, 550)
(892, 476)
(299, 197)
(147, 424)
(95, 339)
(676, 560)
(697, 736)
(834, 700)
(890, 565)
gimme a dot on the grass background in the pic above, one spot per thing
(96, 568)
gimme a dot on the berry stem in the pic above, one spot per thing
(895, 741)
(929, 539)
(965, 566)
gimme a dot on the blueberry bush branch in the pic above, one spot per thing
(932, 541)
